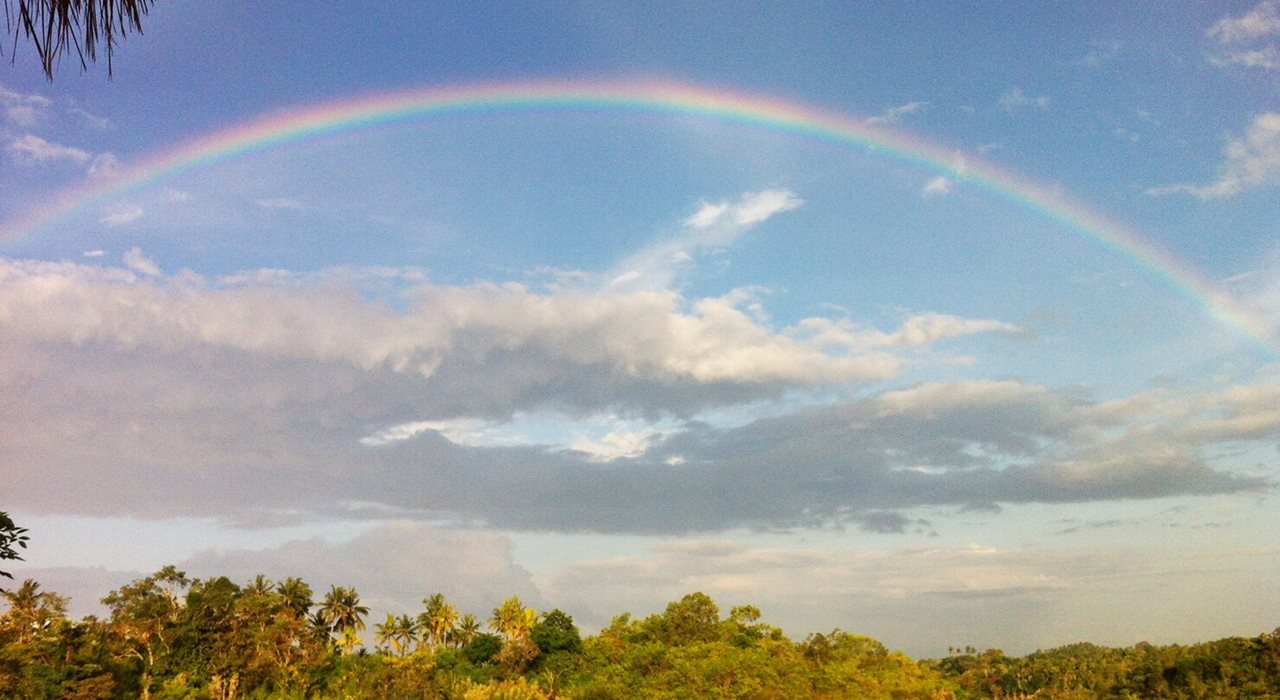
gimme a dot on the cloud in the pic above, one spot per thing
(393, 567)
(122, 216)
(1014, 99)
(90, 119)
(135, 260)
(164, 396)
(485, 350)
(24, 110)
(156, 395)
(894, 114)
(94, 253)
(34, 149)
(1252, 162)
(1267, 57)
(915, 332)
(724, 218)
(712, 227)
(939, 186)
(1100, 55)
(1262, 20)
(104, 165)
(615, 445)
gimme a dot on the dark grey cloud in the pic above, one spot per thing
(97, 430)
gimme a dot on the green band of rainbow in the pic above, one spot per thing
(665, 97)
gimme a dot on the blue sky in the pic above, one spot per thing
(602, 358)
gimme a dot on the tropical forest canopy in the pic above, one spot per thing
(171, 636)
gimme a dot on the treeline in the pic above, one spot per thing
(169, 636)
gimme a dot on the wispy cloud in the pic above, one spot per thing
(121, 217)
(1014, 99)
(137, 261)
(939, 186)
(1252, 162)
(1252, 27)
(1262, 20)
(104, 165)
(1267, 57)
(713, 226)
(1100, 55)
(24, 110)
(90, 119)
(34, 149)
(894, 114)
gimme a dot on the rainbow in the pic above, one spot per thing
(667, 97)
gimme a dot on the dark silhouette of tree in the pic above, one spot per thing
(10, 536)
(57, 27)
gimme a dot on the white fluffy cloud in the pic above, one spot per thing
(1252, 162)
(504, 337)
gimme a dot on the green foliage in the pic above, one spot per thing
(172, 637)
(11, 536)
(482, 648)
(555, 632)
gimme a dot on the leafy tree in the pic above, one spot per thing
(10, 536)
(482, 648)
(555, 632)
(142, 617)
(56, 27)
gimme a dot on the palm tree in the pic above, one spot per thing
(467, 629)
(31, 611)
(58, 26)
(384, 634)
(344, 615)
(512, 619)
(396, 633)
(260, 586)
(297, 595)
(438, 620)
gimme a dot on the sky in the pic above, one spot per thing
(948, 324)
